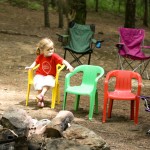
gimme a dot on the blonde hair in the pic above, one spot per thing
(43, 44)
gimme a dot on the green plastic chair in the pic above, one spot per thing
(88, 86)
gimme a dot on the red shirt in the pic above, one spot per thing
(48, 64)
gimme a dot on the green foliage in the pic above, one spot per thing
(19, 3)
(107, 5)
(2, 1)
(90, 4)
(139, 8)
(34, 6)
(31, 4)
(115, 6)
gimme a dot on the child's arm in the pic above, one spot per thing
(30, 67)
(68, 65)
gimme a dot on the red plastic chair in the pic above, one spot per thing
(122, 91)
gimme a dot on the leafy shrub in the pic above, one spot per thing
(19, 3)
(31, 4)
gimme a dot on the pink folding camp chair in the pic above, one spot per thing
(130, 54)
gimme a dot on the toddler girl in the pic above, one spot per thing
(46, 72)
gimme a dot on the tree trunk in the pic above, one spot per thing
(96, 5)
(60, 11)
(46, 13)
(80, 7)
(145, 18)
(130, 14)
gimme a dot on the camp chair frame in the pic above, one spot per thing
(147, 102)
(55, 89)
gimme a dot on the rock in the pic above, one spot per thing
(14, 118)
(64, 144)
(84, 136)
(59, 124)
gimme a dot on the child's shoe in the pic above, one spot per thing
(42, 104)
(40, 99)
(39, 104)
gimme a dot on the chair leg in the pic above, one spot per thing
(64, 102)
(132, 110)
(110, 107)
(96, 102)
(89, 59)
(76, 59)
(76, 106)
(136, 111)
(53, 97)
(28, 93)
(65, 54)
(58, 95)
(104, 109)
(92, 104)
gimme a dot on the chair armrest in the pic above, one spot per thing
(59, 68)
(30, 74)
(63, 38)
(119, 45)
(71, 74)
(97, 42)
(139, 78)
(99, 76)
(94, 41)
(37, 66)
(146, 47)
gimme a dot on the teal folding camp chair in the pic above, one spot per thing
(80, 41)
(88, 86)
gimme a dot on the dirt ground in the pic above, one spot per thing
(21, 29)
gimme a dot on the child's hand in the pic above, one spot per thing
(28, 67)
(70, 68)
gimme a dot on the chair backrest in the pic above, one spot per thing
(80, 37)
(132, 40)
(90, 73)
(123, 79)
(31, 73)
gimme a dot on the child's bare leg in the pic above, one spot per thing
(39, 91)
(44, 90)
(41, 95)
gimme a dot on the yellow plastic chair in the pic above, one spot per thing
(55, 90)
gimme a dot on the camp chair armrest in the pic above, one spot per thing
(62, 37)
(97, 43)
(93, 41)
(145, 47)
(119, 45)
